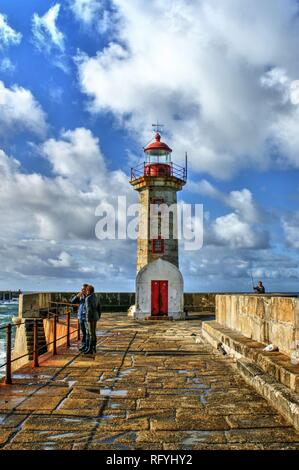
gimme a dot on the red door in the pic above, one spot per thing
(155, 298)
(163, 297)
(159, 297)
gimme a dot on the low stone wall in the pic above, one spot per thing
(199, 302)
(31, 304)
(264, 318)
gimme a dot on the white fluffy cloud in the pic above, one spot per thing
(45, 31)
(20, 110)
(76, 155)
(63, 206)
(242, 228)
(63, 261)
(8, 36)
(232, 231)
(241, 201)
(291, 230)
(92, 13)
(49, 230)
(198, 67)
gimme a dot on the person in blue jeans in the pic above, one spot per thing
(92, 307)
(80, 299)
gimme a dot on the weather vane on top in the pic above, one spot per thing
(157, 127)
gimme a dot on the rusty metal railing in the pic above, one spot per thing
(65, 311)
(175, 170)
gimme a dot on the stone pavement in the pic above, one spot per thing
(151, 385)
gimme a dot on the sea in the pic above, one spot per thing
(8, 309)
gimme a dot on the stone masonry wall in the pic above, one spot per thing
(264, 318)
(144, 244)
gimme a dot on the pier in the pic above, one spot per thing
(151, 385)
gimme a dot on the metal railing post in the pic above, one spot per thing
(78, 337)
(68, 318)
(35, 345)
(55, 336)
(8, 380)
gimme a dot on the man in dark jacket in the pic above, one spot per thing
(80, 299)
(92, 318)
(260, 289)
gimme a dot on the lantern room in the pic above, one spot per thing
(158, 162)
(158, 158)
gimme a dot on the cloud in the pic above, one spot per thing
(198, 67)
(64, 260)
(61, 206)
(241, 229)
(8, 36)
(48, 233)
(291, 230)
(241, 201)
(76, 155)
(48, 39)
(230, 230)
(217, 269)
(19, 110)
(6, 65)
(92, 13)
(45, 31)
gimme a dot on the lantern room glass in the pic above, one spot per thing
(158, 156)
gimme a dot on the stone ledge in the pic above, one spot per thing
(278, 395)
(260, 370)
(276, 364)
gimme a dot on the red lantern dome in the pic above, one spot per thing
(157, 148)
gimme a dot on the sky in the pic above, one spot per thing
(82, 81)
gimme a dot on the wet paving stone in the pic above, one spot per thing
(150, 386)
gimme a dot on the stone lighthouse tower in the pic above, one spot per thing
(159, 283)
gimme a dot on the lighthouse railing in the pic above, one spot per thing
(176, 170)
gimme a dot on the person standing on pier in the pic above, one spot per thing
(259, 289)
(92, 308)
(80, 299)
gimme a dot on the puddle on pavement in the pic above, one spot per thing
(30, 376)
(125, 372)
(115, 405)
(112, 440)
(62, 435)
(195, 437)
(205, 394)
(105, 380)
(196, 383)
(109, 416)
(108, 392)
(102, 333)
(71, 383)
(71, 420)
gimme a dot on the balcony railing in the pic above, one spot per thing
(174, 170)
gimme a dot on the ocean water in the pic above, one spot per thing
(7, 311)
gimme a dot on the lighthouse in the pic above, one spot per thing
(159, 282)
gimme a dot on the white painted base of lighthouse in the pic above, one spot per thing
(169, 300)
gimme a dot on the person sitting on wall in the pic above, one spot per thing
(260, 289)
(92, 308)
(80, 299)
